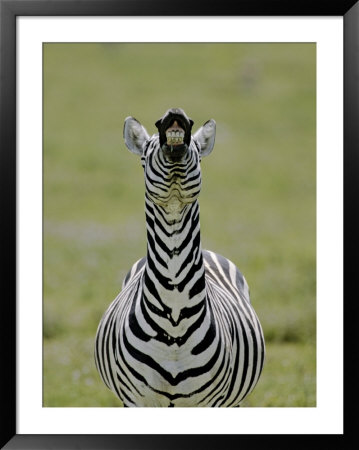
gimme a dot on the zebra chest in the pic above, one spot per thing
(164, 334)
(160, 367)
(160, 353)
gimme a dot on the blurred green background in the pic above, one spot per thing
(258, 201)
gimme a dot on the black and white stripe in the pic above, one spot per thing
(182, 331)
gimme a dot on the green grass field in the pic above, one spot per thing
(258, 200)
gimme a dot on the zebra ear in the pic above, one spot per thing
(135, 135)
(206, 136)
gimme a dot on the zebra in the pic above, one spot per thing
(182, 331)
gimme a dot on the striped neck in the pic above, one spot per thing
(174, 281)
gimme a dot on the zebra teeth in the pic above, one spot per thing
(175, 137)
(174, 141)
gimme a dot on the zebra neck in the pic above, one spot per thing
(174, 273)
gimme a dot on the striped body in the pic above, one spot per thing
(182, 331)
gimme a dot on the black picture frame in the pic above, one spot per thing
(9, 10)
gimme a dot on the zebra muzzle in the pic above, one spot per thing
(174, 128)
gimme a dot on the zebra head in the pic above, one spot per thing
(171, 158)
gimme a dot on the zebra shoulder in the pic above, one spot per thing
(135, 269)
(223, 271)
